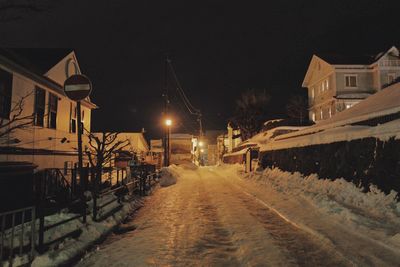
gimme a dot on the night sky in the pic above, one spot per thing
(218, 49)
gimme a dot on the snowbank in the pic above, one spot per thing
(168, 176)
(71, 248)
(373, 215)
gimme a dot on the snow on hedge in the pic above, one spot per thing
(373, 213)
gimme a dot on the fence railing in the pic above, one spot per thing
(23, 230)
(17, 224)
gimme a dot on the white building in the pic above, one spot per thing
(335, 83)
(50, 139)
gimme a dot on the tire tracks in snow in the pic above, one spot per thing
(215, 245)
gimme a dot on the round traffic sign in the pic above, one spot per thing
(77, 87)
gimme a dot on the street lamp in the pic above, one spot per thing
(168, 123)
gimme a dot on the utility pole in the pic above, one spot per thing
(166, 110)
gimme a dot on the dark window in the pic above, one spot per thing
(40, 103)
(53, 101)
(5, 94)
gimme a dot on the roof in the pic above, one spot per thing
(336, 59)
(352, 59)
(380, 104)
(37, 60)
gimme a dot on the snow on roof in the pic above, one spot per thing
(240, 152)
(342, 133)
(382, 103)
(338, 127)
(272, 121)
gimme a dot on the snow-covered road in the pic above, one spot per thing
(212, 218)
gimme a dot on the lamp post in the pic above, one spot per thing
(167, 149)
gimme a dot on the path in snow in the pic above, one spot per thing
(208, 220)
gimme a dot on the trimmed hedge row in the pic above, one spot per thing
(363, 161)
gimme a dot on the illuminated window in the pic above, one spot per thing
(312, 92)
(323, 86)
(321, 114)
(350, 80)
(330, 112)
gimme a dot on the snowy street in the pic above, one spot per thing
(214, 217)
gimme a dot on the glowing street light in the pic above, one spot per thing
(168, 122)
(201, 144)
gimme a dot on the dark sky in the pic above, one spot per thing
(218, 49)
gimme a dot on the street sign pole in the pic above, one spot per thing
(77, 87)
(80, 159)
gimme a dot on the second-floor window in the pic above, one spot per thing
(72, 112)
(350, 80)
(312, 93)
(5, 94)
(53, 102)
(40, 103)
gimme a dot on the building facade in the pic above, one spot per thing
(335, 83)
(33, 94)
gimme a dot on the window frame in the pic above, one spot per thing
(41, 108)
(72, 121)
(52, 122)
(6, 79)
(350, 76)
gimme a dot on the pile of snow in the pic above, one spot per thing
(73, 247)
(374, 203)
(168, 176)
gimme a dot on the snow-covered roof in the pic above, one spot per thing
(339, 128)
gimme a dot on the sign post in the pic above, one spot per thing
(77, 87)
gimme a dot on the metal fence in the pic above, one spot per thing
(17, 224)
(23, 230)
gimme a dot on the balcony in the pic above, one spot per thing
(390, 63)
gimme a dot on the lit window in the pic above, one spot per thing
(321, 114)
(351, 80)
(313, 116)
(326, 84)
(323, 86)
(312, 93)
(348, 105)
(330, 112)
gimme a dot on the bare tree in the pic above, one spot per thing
(17, 120)
(101, 150)
(250, 112)
(297, 108)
